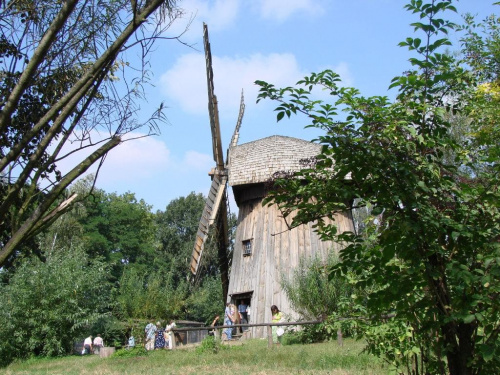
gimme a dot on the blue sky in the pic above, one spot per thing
(278, 41)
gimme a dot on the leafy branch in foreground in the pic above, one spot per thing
(61, 97)
(431, 247)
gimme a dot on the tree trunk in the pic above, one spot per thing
(458, 346)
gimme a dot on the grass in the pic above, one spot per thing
(251, 357)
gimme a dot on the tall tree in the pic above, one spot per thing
(60, 95)
(177, 227)
(433, 242)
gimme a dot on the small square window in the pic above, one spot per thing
(247, 248)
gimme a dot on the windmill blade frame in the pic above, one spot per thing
(213, 107)
(215, 197)
(215, 211)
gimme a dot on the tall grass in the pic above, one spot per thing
(251, 357)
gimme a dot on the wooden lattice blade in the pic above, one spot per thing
(211, 210)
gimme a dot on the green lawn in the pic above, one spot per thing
(251, 357)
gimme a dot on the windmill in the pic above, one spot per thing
(264, 246)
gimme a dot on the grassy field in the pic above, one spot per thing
(251, 357)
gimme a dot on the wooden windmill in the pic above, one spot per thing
(264, 246)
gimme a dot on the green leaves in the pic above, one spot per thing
(46, 306)
(427, 168)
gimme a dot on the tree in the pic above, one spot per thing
(60, 93)
(177, 227)
(119, 228)
(46, 306)
(432, 245)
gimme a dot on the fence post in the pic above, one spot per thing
(269, 336)
(216, 334)
(340, 339)
(172, 338)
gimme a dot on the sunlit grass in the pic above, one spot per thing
(251, 357)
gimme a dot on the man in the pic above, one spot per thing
(242, 308)
(87, 345)
(98, 344)
(150, 331)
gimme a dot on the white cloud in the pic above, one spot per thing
(217, 14)
(135, 159)
(131, 160)
(280, 10)
(185, 82)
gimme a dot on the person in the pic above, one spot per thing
(242, 308)
(214, 323)
(236, 319)
(150, 331)
(249, 310)
(170, 334)
(131, 342)
(98, 344)
(277, 332)
(228, 321)
(160, 337)
(87, 345)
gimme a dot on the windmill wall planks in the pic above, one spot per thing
(275, 248)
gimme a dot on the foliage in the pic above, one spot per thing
(314, 293)
(210, 344)
(47, 306)
(150, 295)
(138, 351)
(311, 291)
(119, 228)
(205, 301)
(177, 227)
(113, 331)
(65, 91)
(431, 247)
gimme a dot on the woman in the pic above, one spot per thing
(277, 316)
(228, 321)
(170, 335)
(160, 337)
(236, 318)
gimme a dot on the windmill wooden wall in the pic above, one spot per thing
(275, 249)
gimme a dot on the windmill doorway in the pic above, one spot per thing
(243, 303)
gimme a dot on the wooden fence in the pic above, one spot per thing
(269, 326)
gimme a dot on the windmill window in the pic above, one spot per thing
(247, 248)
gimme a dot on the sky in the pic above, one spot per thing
(278, 41)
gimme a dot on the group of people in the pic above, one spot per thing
(235, 315)
(92, 346)
(241, 315)
(158, 337)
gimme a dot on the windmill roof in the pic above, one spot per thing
(255, 162)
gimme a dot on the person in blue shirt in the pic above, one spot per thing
(242, 308)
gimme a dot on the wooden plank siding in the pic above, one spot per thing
(275, 250)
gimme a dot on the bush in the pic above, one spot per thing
(138, 351)
(210, 345)
(47, 306)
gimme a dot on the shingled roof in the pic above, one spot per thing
(255, 162)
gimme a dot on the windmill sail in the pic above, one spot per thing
(213, 108)
(215, 211)
(212, 205)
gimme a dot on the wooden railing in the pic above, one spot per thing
(269, 326)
